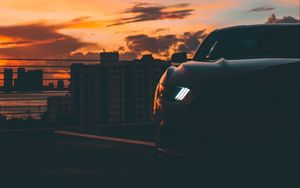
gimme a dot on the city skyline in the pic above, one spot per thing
(22, 79)
(74, 28)
(11, 75)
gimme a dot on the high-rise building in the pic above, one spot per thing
(21, 73)
(59, 109)
(19, 82)
(60, 85)
(8, 79)
(147, 58)
(114, 93)
(34, 80)
(89, 93)
(109, 57)
(50, 86)
(31, 80)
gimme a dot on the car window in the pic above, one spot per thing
(273, 42)
(206, 48)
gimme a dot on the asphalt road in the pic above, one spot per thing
(54, 160)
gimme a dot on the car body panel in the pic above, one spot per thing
(189, 73)
(231, 103)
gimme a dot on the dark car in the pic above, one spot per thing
(241, 87)
(237, 101)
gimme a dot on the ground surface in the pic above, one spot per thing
(45, 159)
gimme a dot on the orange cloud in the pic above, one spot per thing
(37, 41)
(142, 12)
(84, 22)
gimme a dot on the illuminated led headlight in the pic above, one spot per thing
(182, 93)
(170, 93)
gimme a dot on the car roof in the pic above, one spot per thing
(260, 26)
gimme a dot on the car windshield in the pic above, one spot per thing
(250, 43)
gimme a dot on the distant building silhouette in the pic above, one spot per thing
(60, 85)
(8, 79)
(19, 82)
(34, 80)
(21, 73)
(31, 80)
(114, 93)
(147, 58)
(50, 86)
(109, 57)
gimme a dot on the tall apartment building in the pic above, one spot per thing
(109, 57)
(59, 109)
(8, 79)
(19, 82)
(60, 85)
(114, 93)
(34, 80)
(31, 80)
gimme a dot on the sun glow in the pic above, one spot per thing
(62, 27)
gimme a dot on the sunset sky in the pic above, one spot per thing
(65, 28)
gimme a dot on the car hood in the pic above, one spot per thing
(190, 73)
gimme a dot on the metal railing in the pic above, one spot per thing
(33, 104)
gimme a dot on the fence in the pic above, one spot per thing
(88, 93)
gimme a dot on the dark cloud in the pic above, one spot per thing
(30, 32)
(261, 9)
(141, 43)
(147, 12)
(285, 19)
(186, 42)
(191, 40)
(81, 19)
(160, 30)
(37, 41)
(163, 44)
(128, 55)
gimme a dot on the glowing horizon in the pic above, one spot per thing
(32, 28)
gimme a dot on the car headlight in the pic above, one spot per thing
(172, 93)
(182, 93)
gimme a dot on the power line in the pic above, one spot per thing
(48, 59)
(36, 92)
(73, 60)
(24, 99)
(44, 72)
(35, 66)
(48, 79)
(27, 106)
(23, 113)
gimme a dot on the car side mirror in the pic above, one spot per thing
(179, 57)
